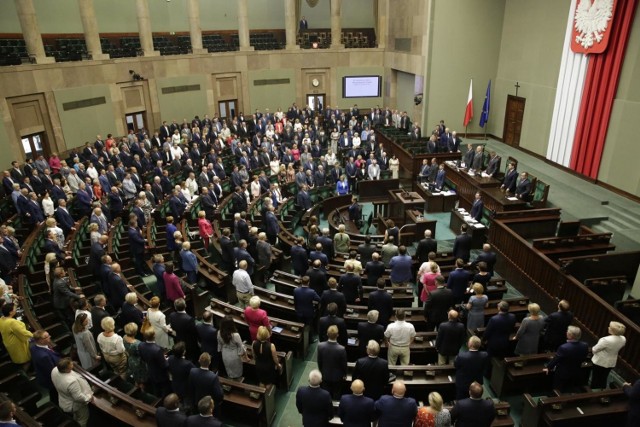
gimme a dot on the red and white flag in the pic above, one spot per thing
(468, 113)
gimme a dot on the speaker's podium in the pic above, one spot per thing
(401, 202)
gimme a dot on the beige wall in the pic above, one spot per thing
(464, 48)
(405, 84)
(83, 124)
(274, 95)
(619, 166)
(530, 54)
(181, 105)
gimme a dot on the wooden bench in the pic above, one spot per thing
(630, 308)
(583, 409)
(251, 404)
(610, 289)
(564, 247)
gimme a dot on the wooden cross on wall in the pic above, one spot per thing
(517, 86)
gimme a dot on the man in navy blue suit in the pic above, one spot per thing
(44, 359)
(350, 285)
(299, 259)
(458, 281)
(556, 325)
(170, 415)
(153, 355)
(303, 199)
(272, 228)
(314, 403)
(176, 205)
(462, 244)
(370, 330)
(356, 410)
(115, 203)
(440, 175)
(395, 410)
(470, 366)
(381, 301)
(329, 320)
(208, 337)
(203, 382)
(499, 329)
(373, 371)
(117, 287)
(487, 256)
(303, 301)
(64, 218)
(204, 417)
(473, 411)
(450, 338)
(567, 363)
(477, 207)
(510, 178)
(332, 362)
(137, 244)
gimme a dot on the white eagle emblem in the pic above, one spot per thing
(591, 21)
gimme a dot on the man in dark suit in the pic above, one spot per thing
(494, 164)
(169, 415)
(356, 410)
(499, 329)
(115, 203)
(327, 243)
(203, 382)
(44, 359)
(381, 301)
(304, 24)
(314, 402)
(208, 337)
(510, 178)
(98, 312)
(332, 295)
(458, 281)
(226, 250)
(488, 257)
(303, 199)
(117, 287)
(157, 366)
(319, 255)
(366, 250)
(373, 371)
(317, 276)
(185, 328)
(438, 304)
(473, 411)
(523, 187)
(567, 363)
(332, 362)
(179, 368)
(64, 218)
(303, 301)
(272, 227)
(137, 247)
(299, 258)
(369, 330)
(63, 294)
(329, 320)
(395, 409)
(425, 246)
(374, 269)
(451, 335)
(204, 417)
(556, 325)
(477, 207)
(350, 285)
(470, 366)
(176, 205)
(462, 244)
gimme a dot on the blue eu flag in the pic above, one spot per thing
(484, 117)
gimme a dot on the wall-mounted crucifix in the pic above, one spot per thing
(517, 86)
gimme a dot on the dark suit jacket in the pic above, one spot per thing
(130, 314)
(374, 270)
(424, 247)
(438, 305)
(462, 247)
(488, 257)
(395, 412)
(451, 336)
(97, 314)
(470, 367)
(208, 338)
(299, 260)
(226, 247)
(633, 393)
(476, 210)
(203, 383)
(326, 321)
(330, 296)
(185, 328)
(458, 281)
(356, 411)
(523, 188)
(317, 280)
(62, 294)
(64, 220)
(374, 373)
(509, 181)
(381, 300)
(332, 361)
(303, 298)
(51, 246)
(556, 325)
(166, 418)
(44, 361)
(314, 403)
(200, 421)
(179, 370)
(157, 365)
(369, 331)
(568, 360)
(95, 255)
(350, 285)
(497, 333)
(473, 413)
(117, 290)
(365, 252)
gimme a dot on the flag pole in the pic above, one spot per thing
(465, 131)
(485, 131)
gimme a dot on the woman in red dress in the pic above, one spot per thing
(256, 317)
(206, 229)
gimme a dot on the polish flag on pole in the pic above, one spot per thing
(468, 113)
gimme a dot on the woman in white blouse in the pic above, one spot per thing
(112, 347)
(355, 141)
(605, 354)
(274, 164)
(57, 231)
(47, 205)
(158, 321)
(330, 157)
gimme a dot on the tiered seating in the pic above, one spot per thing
(71, 49)
(12, 51)
(265, 41)
(215, 43)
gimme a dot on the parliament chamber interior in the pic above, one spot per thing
(319, 213)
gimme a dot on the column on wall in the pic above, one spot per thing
(243, 25)
(90, 27)
(31, 32)
(336, 26)
(193, 11)
(144, 28)
(290, 23)
(382, 22)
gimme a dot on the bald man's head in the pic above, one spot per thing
(453, 315)
(357, 387)
(398, 389)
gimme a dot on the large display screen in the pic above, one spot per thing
(361, 86)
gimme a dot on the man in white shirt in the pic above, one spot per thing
(74, 392)
(399, 336)
(242, 283)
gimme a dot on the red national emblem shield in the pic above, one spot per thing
(591, 25)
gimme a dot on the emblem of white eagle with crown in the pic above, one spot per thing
(591, 23)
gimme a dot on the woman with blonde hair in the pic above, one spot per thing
(94, 232)
(57, 231)
(266, 357)
(528, 334)
(136, 367)
(476, 306)
(605, 354)
(205, 228)
(255, 317)
(428, 281)
(112, 347)
(85, 343)
(158, 321)
(433, 415)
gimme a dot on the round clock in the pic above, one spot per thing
(315, 82)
